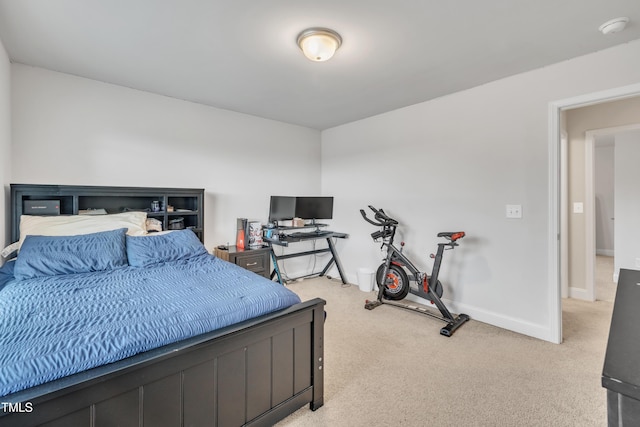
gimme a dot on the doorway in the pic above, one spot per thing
(604, 216)
(600, 206)
(558, 235)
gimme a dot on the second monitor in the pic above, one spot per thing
(309, 208)
(314, 207)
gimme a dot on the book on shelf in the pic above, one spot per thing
(255, 234)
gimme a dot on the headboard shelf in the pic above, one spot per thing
(187, 203)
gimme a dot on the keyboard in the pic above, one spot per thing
(305, 234)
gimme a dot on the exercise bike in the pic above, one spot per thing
(394, 282)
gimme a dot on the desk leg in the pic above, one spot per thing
(335, 258)
(276, 270)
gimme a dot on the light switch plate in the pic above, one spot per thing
(514, 211)
(578, 207)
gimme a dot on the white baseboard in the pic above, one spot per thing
(605, 252)
(542, 332)
(579, 293)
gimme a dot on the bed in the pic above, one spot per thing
(165, 334)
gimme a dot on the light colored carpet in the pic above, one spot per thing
(605, 286)
(390, 367)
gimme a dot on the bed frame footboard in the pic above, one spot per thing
(254, 373)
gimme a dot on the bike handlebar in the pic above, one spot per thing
(364, 215)
(382, 219)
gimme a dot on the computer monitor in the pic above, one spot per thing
(314, 207)
(282, 208)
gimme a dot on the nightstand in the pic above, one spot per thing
(253, 259)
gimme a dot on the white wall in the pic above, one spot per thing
(453, 164)
(448, 164)
(70, 130)
(604, 169)
(5, 143)
(627, 202)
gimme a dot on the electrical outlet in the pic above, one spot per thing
(578, 207)
(514, 211)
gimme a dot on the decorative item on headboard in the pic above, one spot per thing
(41, 207)
(176, 223)
(154, 224)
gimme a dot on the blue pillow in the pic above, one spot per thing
(54, 255)
(143, 251)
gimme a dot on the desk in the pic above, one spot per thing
(287, 239)
(621, 373)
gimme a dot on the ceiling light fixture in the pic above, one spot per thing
(319, 44)
(614, 26)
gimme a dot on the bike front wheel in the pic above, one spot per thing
(396, 284)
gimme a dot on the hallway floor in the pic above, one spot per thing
(605, 286)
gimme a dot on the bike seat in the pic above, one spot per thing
(452, 235)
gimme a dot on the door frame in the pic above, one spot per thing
(557, 232)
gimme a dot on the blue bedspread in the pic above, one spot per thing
(55, 326)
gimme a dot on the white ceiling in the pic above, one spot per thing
(241, 55)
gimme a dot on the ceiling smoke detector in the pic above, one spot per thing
(614, 26)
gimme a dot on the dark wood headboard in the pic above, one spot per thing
(187, 203)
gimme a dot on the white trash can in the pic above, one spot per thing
(365, 279)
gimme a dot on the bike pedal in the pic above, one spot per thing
(370, 305)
